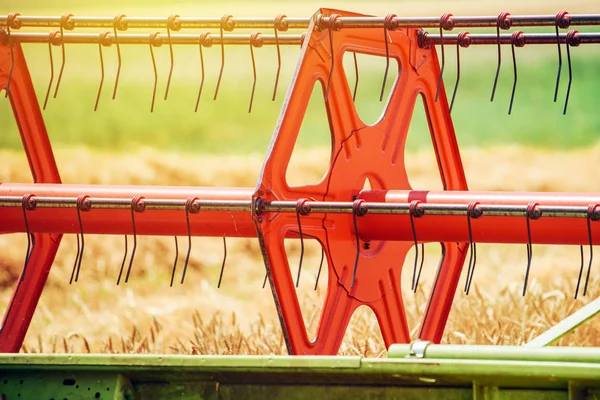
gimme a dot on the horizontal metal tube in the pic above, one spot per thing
(302, 23)
(504, 353)
(223, 211)
(227, 212)
(159, 40)
(530, 38)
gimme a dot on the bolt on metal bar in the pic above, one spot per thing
(302, 23)
(138, 38)
(492, 39)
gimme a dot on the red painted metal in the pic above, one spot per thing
(43, 168)
(118, 221)
(371, 227)
(496, 229)
(360, 151)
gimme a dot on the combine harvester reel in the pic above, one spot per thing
(365, 233)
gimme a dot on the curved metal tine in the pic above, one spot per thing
(224, 25)
(265, 280)
(301, 242)
(356, 72)
(559, 69)
(62, 66)
(203, 40)
(172, 24)
(175, 262)
(101, 39)
(51, 36)
(591, 216)
(416, 275)
(117, 22)
(322, 254)
(514, 37)
(445, 18)
(27, 202)
(255, 41)
(223, 264)
(63, 21)
(134, 204)
(151, 39)
(122, 262)
(191, 206)
(320, 267)
(571, 40)
(277, 25)
(529, 215)
(457, 74)
(357, 210)
(77, 265)
(471, 213)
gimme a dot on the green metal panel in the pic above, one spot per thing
(152, 377)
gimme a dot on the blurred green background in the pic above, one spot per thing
(226, 126)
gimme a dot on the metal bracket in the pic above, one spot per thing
(417, 348)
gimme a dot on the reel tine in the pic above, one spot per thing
(446, 23)
(119, 24)
(101, 42)
(517, 39)
(227, 25)
(28, 203)
(12, 20)
(191, 206)
(83, 204)
(333, 25)
(387, 25)
(52, 37)
(300, 209)
(137, 205)
(66, 22)
(122, 262)
(356, 73)
(592, 215)
(573, 39)
(359, 209)
(203, 40)
(563, 20)
(532, 213)
(415, 212)
(279, 24)
(173, 23)
(463, 40)
(175, 262)
(320, 266)
(255, 41)
(223, 264)
(265, 280)
(580, 272)
(502, 22)
(472, 212)
(154, 41)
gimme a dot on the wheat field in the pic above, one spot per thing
(147, 316)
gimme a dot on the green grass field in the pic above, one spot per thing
(225, 125)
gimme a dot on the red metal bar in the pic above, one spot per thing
(494, 229)
(43, 168)
(118, 221)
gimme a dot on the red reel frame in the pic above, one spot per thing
(43, 168)
(359, 151)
